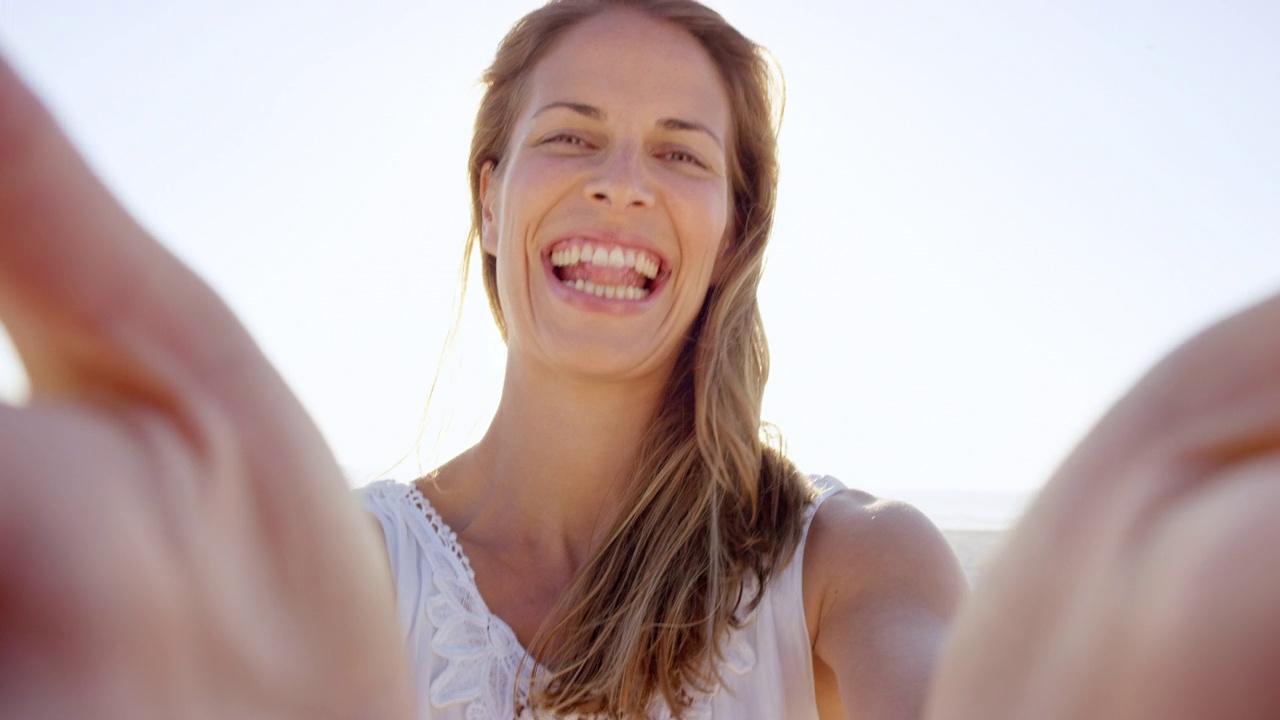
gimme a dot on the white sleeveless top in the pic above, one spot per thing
(464, 658)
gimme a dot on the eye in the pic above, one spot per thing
(682, 156)
(565, 139)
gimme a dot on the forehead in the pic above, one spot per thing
(630, 65)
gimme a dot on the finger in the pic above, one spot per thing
(97, 308)
(1210, 403)
(1217, 375)
(76, 272)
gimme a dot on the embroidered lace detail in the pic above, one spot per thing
(481, 652)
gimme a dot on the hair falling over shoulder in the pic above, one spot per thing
(714, 510)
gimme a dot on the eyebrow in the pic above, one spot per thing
(596, 113)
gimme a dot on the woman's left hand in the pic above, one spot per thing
(1145, 581)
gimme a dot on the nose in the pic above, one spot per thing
(621, 181)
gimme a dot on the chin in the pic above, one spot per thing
(612, 362)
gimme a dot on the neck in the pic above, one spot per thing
(549, 474)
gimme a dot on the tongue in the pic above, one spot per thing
(602, 275)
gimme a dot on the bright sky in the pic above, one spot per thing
(992, 217)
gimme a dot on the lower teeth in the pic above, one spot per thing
(619, 292)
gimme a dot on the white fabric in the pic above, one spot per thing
(465, 658)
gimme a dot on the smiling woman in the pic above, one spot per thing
(621, 518)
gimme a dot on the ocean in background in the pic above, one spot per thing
(973, 521)
(990, 510)
(968, 509)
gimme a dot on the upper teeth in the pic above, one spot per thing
(601, 256)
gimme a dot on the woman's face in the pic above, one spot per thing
(610, 208)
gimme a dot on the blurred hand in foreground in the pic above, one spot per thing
(176, 541)
(1144, 582)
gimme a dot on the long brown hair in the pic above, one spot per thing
(713, 511)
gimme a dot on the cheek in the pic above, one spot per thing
(531, 189)
(705, 211)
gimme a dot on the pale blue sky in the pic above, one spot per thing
(994, 215)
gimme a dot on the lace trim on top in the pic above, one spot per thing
(481, 651)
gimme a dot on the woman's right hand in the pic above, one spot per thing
(176, 540)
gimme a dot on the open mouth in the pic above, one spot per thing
(606, 270)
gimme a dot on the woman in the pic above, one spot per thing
(620, 513)
(176, 541)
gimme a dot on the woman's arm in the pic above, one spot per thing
(1144, 581)
(175, 538)
(886, 585)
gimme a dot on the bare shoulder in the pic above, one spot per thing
(859, 543)
(881, 585)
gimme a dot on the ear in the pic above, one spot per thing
(488, 229)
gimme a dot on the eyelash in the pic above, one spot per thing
(561, 137)
(574, 140)
(689, 157)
